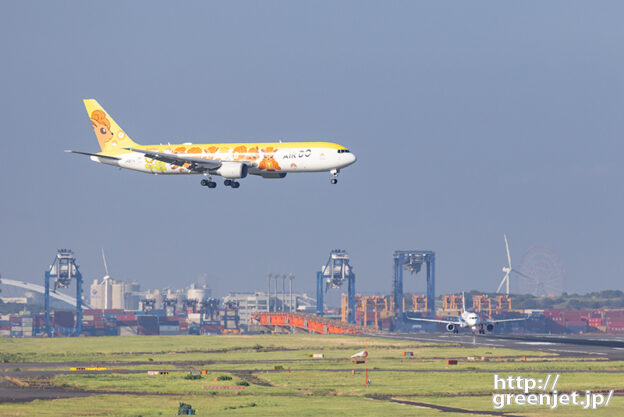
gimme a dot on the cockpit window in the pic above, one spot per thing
(343, 151)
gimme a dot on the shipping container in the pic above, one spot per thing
(64, 319)
(148, 325)
(128, 331)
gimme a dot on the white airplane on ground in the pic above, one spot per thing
(468, 319)
(231, 161)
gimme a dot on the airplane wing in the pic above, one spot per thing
(505, 320)
(434, 320)
(194, 164)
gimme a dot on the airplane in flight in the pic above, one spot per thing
(467, 319)
(232, 161)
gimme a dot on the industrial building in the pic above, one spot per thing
(108, 294)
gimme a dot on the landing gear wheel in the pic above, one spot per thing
(227, 183)
(204, 183)
(212, 184)
(333, 181)
(235, 184)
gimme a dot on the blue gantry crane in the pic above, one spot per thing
(61, 273)
(412, 260)
(336, 271)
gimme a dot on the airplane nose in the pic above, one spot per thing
(351, 158)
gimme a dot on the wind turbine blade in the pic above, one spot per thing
(523, 275)
(104, 259)
(508, 254)
(506, 277)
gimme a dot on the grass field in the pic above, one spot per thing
(333, 386)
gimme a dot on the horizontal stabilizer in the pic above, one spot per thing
(94, 154)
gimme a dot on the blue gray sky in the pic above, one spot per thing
(469, 120)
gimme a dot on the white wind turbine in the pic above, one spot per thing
(107, 276)
(508, 270)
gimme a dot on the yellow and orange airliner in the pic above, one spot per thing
(232, 161)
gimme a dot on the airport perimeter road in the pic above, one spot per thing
(606, 346)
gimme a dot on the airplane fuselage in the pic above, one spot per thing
(469, 319)
(267, 159)
(232, 161)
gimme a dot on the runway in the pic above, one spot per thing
(605, 346)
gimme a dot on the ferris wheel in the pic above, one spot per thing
(542, 273)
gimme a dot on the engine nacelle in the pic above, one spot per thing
(232, 170)
(450, 327)
(489, 327)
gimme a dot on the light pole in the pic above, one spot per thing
(290, 279)
(276, 305)
(269, 276)
(283, 292)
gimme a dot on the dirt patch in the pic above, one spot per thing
(253, 379)
(442, 408)
(43, 389)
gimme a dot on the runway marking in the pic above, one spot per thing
(535, 343)
(489, 344)
(577, 351)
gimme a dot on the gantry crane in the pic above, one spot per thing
(336, 271)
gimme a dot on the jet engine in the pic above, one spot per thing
(489, 327)
(232, 170)
(450, 327)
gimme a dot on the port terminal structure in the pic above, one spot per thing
(336, 271)
(307, 323)
(413, 260)
(61, 272)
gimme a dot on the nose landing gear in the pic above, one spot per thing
(334, 173)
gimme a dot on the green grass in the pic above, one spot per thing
(284, 406)
(312, 387)
(172, 383)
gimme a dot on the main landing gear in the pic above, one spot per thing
(208, 183)
(231, 183)
(334, 173)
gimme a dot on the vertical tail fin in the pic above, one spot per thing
(463, 302)
(111, 138)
